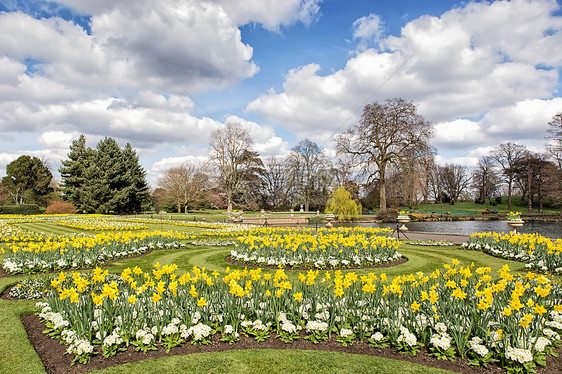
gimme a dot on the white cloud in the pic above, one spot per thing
(160, 167)
(469, 62)
(271, 13)
(368, 28)
(524, 122)
(128, 76)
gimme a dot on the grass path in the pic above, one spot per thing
(271, 361)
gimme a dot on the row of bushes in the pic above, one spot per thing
(58, 207)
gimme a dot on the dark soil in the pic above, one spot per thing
(400, 261)
(52, 352)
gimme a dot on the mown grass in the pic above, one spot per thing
(470, 207)
(18, 356)
(272, 361)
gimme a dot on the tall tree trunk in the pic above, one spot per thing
(382, 190)
(509, 186)
(539, 191)
(229, 200)
(529, 187)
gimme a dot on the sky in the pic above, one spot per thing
(162, 75)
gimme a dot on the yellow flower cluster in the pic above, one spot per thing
(539, 252)
(101, 224)
(323, 249)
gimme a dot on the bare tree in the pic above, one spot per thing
(435, 183)
(228, 146)
(381, 137)
(250, 184)
(276, 184)
(455, 179)
(185, 184)
(309, 168)
(554, 148)
(485, 178)
(507, 156)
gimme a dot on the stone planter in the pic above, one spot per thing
(515, 225)
(403, 220)
(329, 218)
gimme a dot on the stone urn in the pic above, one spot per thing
(515, 224)
(403, 220)
(329, 218)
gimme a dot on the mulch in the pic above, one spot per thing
(231, 261)
(52, 352)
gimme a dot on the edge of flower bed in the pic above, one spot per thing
(400, 261)
(51, 352)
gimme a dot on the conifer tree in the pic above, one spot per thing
(73, 172)
(107, 180)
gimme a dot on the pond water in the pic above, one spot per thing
(548, 229)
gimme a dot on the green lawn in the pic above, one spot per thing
(470, 207)
(18, 356)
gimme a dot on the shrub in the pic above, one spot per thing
(499, 199)
(60, 207)
(24, 209)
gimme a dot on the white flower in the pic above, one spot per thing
(316, 326)
(519, 355)
(289, 327)
(440, 327)
(228, 329)
(346, 333)
(199, 331)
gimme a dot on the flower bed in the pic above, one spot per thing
(76, 252)
(334, 248)
(538, 252)
(13, 234)
(454, 311)
(101, 224)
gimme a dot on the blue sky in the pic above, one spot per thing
(162, 75)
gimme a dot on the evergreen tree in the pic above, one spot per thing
(110, 180)
(27, 180)
(73, 173)
(137, 193)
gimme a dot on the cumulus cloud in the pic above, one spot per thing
(525, 121)
(160, 167)
(266, 142)
(468, 63)
(128, 73)
(367, 29)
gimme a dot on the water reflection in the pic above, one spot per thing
(549, 229)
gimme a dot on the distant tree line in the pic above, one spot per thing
(383, 160)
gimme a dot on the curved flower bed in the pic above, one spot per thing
(454, 311)
(101, 225)
(13, 234)
(76, 252)
(538, 252)
(306, 248)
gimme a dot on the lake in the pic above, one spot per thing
(548, 229)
